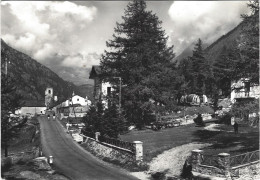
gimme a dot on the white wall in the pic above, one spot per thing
(254, 90)
(32, 110)
(104, 88)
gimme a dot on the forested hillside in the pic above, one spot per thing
(32, 78)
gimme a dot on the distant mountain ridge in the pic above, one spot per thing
(229, 40)
(213, 51)
(32, 78)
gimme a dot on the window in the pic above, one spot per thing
(49, 91)
(108, 91)
(78, 99)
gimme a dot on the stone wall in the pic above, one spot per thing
(114, 155)
(251, 171)
(223, 168)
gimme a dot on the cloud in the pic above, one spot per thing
(44, 28)
(81, 60)
(207, 20)
(54, 33)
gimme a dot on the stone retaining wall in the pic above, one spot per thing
(103, 151)
(223, 168)
(116, 156)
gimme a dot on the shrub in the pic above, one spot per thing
(244, 108)
(106, 121)
(225, 119)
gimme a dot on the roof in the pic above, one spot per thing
(95, 72)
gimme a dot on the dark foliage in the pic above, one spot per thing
(10, 101)
(106, 121)
(248, 66)
(244, 108)
(199, 121)
(140, 56)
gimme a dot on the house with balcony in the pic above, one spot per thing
(243, 89)
(102, 89)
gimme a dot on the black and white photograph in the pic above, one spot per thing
(130, 90)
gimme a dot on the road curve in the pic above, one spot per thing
(72, 160)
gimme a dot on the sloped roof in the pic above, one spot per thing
(95, 72)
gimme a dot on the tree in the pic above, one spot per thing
(139, 55)
(249, 45)
(10, 101)
(200, 70)
(224, 69)
(106, 121)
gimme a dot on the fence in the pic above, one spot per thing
(118, 143)
(92, 135)
(135, 148)
(245, 158)
(222, 165)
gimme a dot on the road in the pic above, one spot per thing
(72, 160)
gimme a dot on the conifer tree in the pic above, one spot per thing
(200, 69)
(224, 69)
(249, 45)
(139, 55)
(10, 101)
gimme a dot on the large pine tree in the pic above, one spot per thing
(139, 55)
(249, 45)
(200, 69)
(10, 102)
(224, 69)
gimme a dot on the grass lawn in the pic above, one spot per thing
(155, 142)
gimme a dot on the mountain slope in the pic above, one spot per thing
(32, 78)
(229, 40)
(213, 52)
(188, 52)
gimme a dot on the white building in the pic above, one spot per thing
(80, 100)
(32, 107)
(243, 89)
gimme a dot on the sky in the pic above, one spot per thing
(69, 36)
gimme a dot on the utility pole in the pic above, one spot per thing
(184, 105)
(6, 65)
(120, 94)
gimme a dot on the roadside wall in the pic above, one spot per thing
(222, 167)
(108, 153)
(116, 156)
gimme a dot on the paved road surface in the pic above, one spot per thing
(71, 159)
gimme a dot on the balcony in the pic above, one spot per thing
(242, 95)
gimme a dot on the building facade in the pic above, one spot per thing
(101, 89)
(243, 89)
(48, 96)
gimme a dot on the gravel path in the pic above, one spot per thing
(172, 160)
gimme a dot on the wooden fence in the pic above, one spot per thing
(244, 158)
